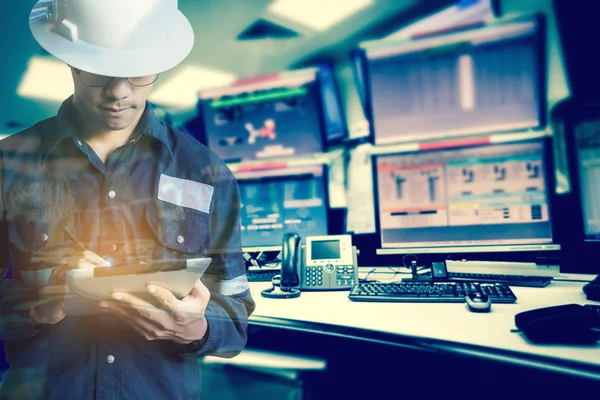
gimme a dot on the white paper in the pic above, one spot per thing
(360, 198)
(337, 180)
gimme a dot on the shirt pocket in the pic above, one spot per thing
(29, 236)
(36, 248)
(178, 229)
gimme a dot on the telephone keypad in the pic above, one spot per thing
(314, 276)
(345, 275)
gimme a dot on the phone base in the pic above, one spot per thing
(275, 292)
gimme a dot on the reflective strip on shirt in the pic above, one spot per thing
(227, 287)
(185, 193)
(40, 277)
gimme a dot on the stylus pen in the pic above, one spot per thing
(106, 262)
(75, 238)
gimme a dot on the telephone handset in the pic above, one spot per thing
(324, 263)
(290, 261)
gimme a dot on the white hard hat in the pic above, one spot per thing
(120, 38)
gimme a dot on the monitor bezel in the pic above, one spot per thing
(339, 140)
(579, 252)
(203, 103)
(481, 249)
(582, 115)
(266, 177)
(540, 35)
(361, 76)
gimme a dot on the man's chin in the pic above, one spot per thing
(116, 125)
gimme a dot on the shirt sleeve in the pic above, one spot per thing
(15, 322)
(230, 303)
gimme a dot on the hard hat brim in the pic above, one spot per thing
(153, 57)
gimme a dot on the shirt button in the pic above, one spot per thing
(112, 194)
(180, 239)
(43, 237)
(112, 247)
(110, 359)
(79, 142)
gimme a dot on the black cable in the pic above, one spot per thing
(416, 259)
(365, 279)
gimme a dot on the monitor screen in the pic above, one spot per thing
(587, 141)
(265, 118)
(481, 196)
(472, 82)
(334, 120)
(325, 249)
(292, 201)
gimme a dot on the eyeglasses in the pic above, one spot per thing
(94, 80)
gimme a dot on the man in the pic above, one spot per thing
(128, 188)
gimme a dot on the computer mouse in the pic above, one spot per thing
(478, 302)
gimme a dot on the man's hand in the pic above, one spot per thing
(181, 321)
(51, 308)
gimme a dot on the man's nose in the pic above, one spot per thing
(118, 88)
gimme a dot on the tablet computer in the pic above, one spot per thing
(177, 276)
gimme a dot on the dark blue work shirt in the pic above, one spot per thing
(161, 196)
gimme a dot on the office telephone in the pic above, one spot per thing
(323, 263)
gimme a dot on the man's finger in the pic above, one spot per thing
(165, 297)
(182, 311)
(95, 259)
(144, 309)
(144, 327)
(57, 275)
(85, 264)
(199, 291)
(129, 300)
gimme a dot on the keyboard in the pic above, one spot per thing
(427, 292)
(511, 280)
(262, 275)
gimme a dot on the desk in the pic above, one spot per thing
(446, 328)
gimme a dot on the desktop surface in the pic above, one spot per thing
(444, 326)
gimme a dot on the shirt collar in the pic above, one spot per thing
(66, 127)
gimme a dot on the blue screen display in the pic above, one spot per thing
(470, 83)
(265, 123)
(275, 205)
(333, 116)
(472, 196)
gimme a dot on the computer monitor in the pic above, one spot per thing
(477, 199)
(334, 120)
(282, 201)
(587, 159)
(469, 82)
(358, 60)
(265, 117)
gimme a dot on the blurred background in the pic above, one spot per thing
(238, 39)
(287, 89)
(443, 130)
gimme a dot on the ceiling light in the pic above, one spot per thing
(181, 90)
(319, 15)
(46, 78)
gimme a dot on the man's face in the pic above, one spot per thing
(114, 106)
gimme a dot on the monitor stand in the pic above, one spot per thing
(416, 277)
